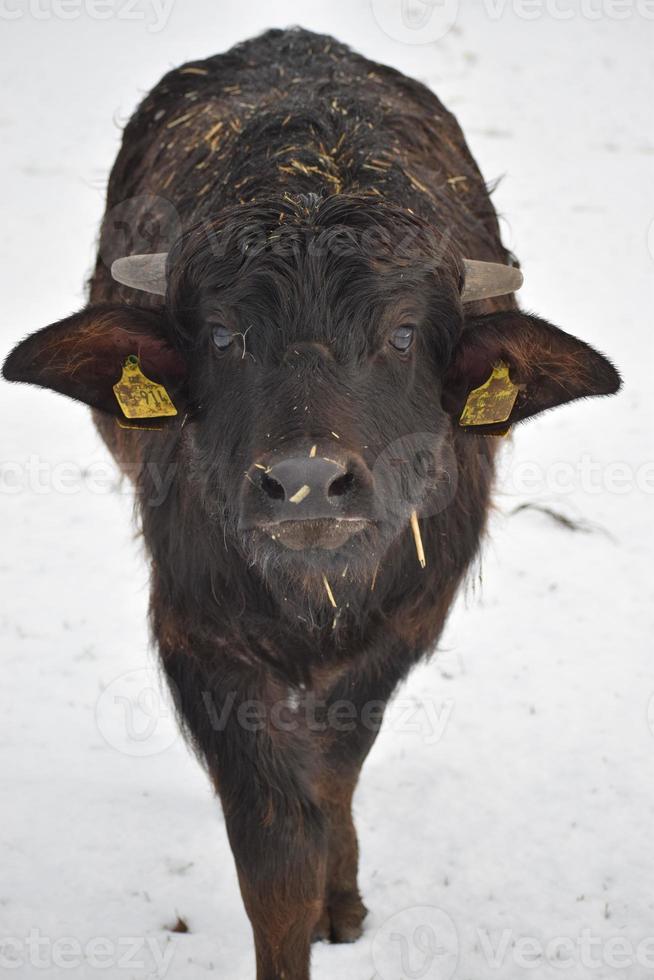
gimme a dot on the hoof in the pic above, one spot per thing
(323, 928)
(341, 921)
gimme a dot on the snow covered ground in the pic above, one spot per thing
(511, 811)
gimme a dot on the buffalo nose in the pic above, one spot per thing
(308, 497)
(298, 478)
(307, 486)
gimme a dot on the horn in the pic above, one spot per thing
(483, 280)
(146, 272)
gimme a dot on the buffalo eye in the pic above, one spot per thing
(222, 337)
(402, 338)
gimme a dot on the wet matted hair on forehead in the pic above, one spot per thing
(340, 260)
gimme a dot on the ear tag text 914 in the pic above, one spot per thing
(138, 396)
(493, 401)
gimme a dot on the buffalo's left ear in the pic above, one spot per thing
(83, 356)
(549, 366)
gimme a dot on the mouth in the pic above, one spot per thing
(322, 533)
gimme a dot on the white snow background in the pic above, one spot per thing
(528, 814)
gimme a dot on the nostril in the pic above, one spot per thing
(341, 485)
(272, 487)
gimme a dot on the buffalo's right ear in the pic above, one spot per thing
(83, 355)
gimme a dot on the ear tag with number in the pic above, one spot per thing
(493, 401)
(140, 398)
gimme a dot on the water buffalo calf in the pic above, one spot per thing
(308, 267)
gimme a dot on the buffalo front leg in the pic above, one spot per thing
(343, 910)
(281, 871)
(278, 838)
(266, 780)
(344, 751)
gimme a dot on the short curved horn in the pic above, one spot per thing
(483, 280)
(146, 272)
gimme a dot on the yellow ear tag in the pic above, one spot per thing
(493, 401)
(140, 398)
